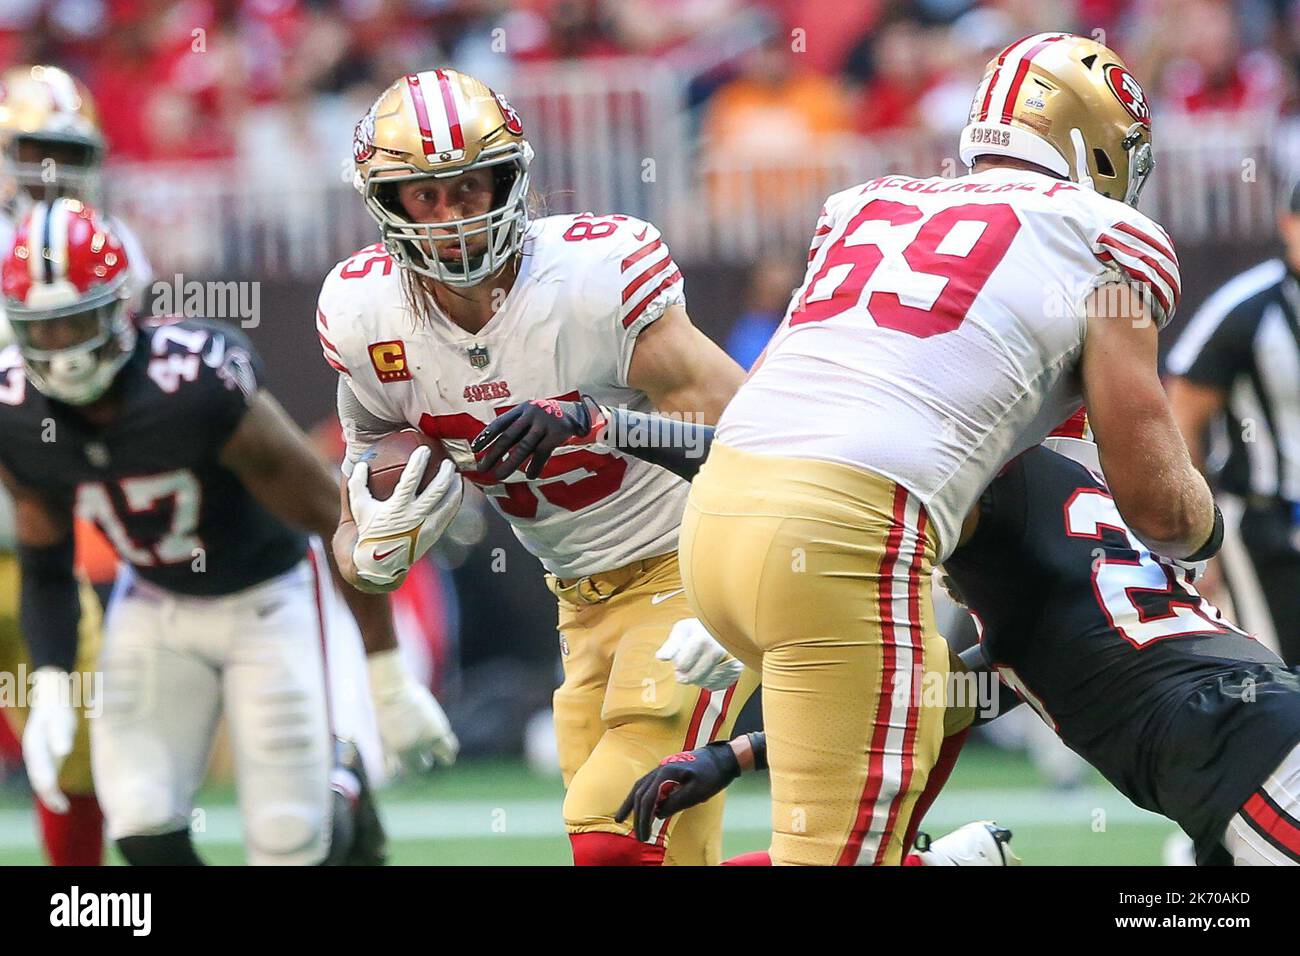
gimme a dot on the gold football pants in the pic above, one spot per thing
(818, 575)
(620, 711)
(74, 777)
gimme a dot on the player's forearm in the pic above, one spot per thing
(674, 444)
(371, 609)
(1194, 406)
(751, 751)
(974, 660)
(50, 605)
(1162, 496)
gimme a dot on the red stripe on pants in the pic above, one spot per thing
(884, 701)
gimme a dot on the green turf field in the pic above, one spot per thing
(488, 813)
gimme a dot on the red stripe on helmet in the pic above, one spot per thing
(453, 116)
(421, 113)
(993, 80)
(1021, 72)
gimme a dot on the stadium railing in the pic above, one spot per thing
(616, 136)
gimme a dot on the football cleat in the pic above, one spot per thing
(982, 843)
(369, 842)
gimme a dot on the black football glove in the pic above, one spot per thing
(679, 783)
(533, 431)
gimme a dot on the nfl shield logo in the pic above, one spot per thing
(478, 357)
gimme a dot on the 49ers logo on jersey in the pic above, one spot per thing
(1129, 93)
(486, 393)
(389, 360)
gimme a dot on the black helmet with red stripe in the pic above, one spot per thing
(66, 289)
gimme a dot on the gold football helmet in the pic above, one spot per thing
(50, 141)
(441, 123)
(1069, 104)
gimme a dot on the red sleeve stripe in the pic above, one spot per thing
(327, 343)
(819, 236)
(1140, 276)
(1154, 263)
(655, 268)
(337, 366)
(1270, 821)
(1138, 254)
(320, 317)
(1165, 250)
(1076, 426)
(642, 305)
(640, 254)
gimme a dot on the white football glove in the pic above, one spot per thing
(412, 726)
(697, 658)
(47, 738)
(392, 535)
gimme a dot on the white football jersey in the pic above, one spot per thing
(587, 286)
(939, 327)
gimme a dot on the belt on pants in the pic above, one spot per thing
(603, 585)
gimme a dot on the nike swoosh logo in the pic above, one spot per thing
(665, 595)
(639, 236)
(379, 557)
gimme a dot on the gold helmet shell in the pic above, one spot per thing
(47, 106)
(442, 123)
(1069, 104)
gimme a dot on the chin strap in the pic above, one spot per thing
(1081, 159)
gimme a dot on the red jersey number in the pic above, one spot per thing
(590, 226)
(360, 264)
(979, 237)
(519, 499)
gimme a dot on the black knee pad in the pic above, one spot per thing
(159, 849)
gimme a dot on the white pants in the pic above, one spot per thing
(1266, 831)
(171, 663)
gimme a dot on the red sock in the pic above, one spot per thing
(939, 774)
(75, 838)
(613, 849)
(757, 858)
(11, 749)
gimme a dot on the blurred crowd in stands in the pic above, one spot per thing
(189, 79)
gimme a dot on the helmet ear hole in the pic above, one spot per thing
(1104, 165)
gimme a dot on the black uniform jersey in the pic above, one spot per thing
(151, 478)
(1185, 714)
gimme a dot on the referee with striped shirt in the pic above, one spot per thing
(1236, 371)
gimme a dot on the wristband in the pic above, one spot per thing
(1212, 543)
(758, 743)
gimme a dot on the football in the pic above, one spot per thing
(388, 457)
